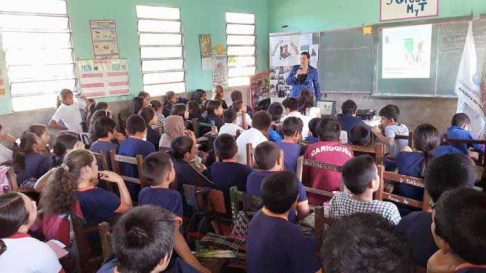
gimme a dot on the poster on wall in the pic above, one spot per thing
(259, 88)
(399, 10)
(284, 49)
(279, 90)
(407, 52)
(205, 45)
(104, 39)
(220, 70)
(2, 85)
(314, 55)
(103, 78)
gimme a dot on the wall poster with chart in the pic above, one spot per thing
(104, 38)
(103, 78)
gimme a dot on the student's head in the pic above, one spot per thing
(280, 191)
(148, 114)
(17, 214)
(349, 107)
(157, 168)
(145, 96)
(157, 105)
(290, 105)
(313, 126)
(239, 105)
(458, 224)
(360, 174)
(236, 95)
(460, 120)
(66, 96)
(229, 116)
(64, 143)
(96, 115)
(137, 104)
(174, 126)
(365, 242)
(275, 110)
(40, 130)
(215, 107)
(225, 146)
(304, 58)
(98, 106)
(171, 97)
(180, 109)
(262, 121)
(59, 194)
(389, 115)
(292, 127)
(268, 156)
(329, 129)
(135, 124)
(305, 101)
(199, 95)
(426, 138)
(143, 239)
(448, 172)
(105, 127)
(29, 143)
(194, 108)
(181, 148)
(218, 92)
(360, 135)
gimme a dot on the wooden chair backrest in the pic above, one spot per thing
(409, 138)
(196, 126)
(105, 236)
(101, 157)
(378, 150)
(86, 259)
(242, 201)
(315, 164)
(249, 155)
(320, 224)
(137, 161)
(12, 179)
(402, 179)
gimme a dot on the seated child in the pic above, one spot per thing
(292, 110)
(273, 243)
(29, 163)
(105, 130)
(458, 228)
(460, 130)
(68, 112)
(230, 127)
(170, 99)
(446, 172)
(228, 172)
(243, 119)
(180, 109)
(236, 95)
(137, 104)
(134, 145)
(194, 110)
(5, 153)
(313, 137)
(17, 214)
(360, 176)
(389, 122)
(360, 135)
(40, 130)
(143, 240)
(328, 150)
(275, 110)
(148, 114)
(269, 160)
(348, 118)
(159, 172)
(365, 242)
(159, 109)
(145, 96)
(256, 135)
(292, 131)
(215, 112)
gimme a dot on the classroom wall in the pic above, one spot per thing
(318, 15)
(198, 17)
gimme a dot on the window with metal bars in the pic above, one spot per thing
(161, 49)
(241, 41)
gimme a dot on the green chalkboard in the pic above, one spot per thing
(346, 61)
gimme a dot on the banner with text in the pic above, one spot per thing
(103, 78)
(284, 49)
(400, 9)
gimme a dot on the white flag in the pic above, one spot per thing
(468, 88)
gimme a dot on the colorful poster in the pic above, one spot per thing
(103, 78)
(279, 90)
(259, 88)
(104, 38)
(284, 49)
(400, 9)
(205, 45)
(314, 53)
(407, 52)
(220, 70)
(2, 85)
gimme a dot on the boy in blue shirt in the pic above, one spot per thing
(313, 137)
(105, 130)
(159, 172)
(276, 111)
(360, 135)
(134, 145)
(348, 118)
(460, 130)
(292, 130)
(274, 244)
(268, 158)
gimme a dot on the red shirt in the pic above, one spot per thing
(57, 226)
(326, 152)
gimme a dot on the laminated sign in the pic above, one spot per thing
(408, 9)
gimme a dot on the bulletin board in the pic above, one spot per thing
(103, 78)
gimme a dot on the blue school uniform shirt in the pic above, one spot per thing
(97, 204)
(179, 266)
(36, 165)
(455, 132)
(187, 174)
(218, 121)
(312, 139)
(168, 199)
(274, 136)
(347, 122)
(292, 151)
(153, 137)
(228, 174)
(277, 245)
(105, 147)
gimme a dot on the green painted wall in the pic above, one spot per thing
(318, 15)
(198, 17)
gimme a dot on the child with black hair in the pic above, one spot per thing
(292, 130)
(446, 172)
(40, 130)
(365, 242)
(170, 99)
(313, 137)
(145, 96)
(256, 135)
(273, 243)
(460, 129)
(180, 109)
(348, 118)
(360, 135)
(99, 106)
(28, 161)
(458, 225)
(292, 110)
(328, 150)
(159, 109)
(214, 109)
(194, 110)
(360, 176)
(228, 172)
(276, 111)
(269, 159)
(230, 127)
(159, 172)
(237, 95)
(243, 119)
(152, 136)
(137, 104)
(68, 112)
(105, 130)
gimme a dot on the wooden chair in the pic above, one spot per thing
(137, 161)
(315, 164)
(249, 155)
(321, 223)
(105, 236)
(196, 126)
(378, 150)
(242, 201)
(87, 258)
(409, 138)
(401, 179)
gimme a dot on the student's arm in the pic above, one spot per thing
(185, 253)
(53, 124)
(386, 140)
(476, 147)
(41, 182)
(126, 200)
(302, 209)
(243, 119)
(83, 102)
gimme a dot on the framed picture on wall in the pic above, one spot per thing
(104, 39)
(205, 45)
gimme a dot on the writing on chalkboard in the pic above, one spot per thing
(408, 9)
(346, 48)
(452, 39)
